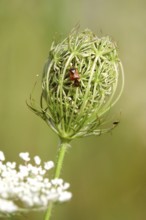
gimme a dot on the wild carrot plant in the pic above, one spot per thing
(82, 80)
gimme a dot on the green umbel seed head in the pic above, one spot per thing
(79, 85)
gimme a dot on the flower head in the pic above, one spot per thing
(26, 187)
(79, 85)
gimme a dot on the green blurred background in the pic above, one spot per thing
(107, 173)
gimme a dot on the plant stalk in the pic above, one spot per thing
(59, 162)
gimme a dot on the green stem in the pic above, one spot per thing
(64, 144)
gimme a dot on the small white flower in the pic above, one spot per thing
(2, 156)
(48, 165)
(11, 165)
(65, 197)
(57, 181)
(42, 172)
(43, 200)
(37, 160)
(66, 186)
(7, 206)
(25, 156)
(23, 171)
(34, 170)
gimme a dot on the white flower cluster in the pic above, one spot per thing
(26, 187)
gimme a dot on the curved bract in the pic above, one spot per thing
(75, 105)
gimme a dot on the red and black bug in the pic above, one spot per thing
(74, 76)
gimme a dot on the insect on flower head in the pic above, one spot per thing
(74, 76)
(80, 84)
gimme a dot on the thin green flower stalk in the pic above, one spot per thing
(82, 80)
